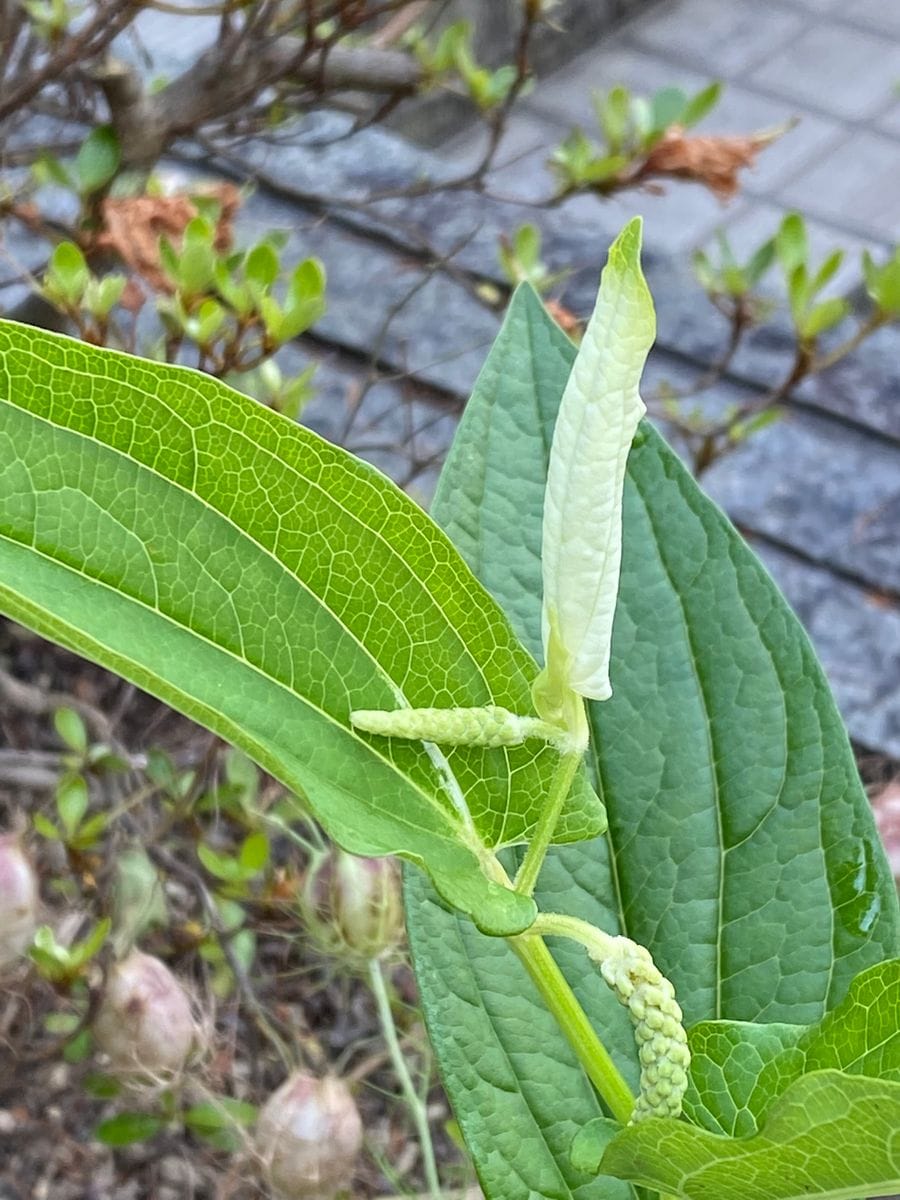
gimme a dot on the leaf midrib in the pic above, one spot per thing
(283, 463)
(466, 827)
(243, 662)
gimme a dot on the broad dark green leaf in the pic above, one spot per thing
(831, 1135)
(741, 849)
(738, 1069)
(266, 583)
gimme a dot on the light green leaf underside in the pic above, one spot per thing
(266, 583)
(739, 1069)
(741, 849)
(598, 416)
(830, 1135)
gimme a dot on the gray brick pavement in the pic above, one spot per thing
(834, 67)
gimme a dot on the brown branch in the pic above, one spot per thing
(227, 76)
(108, 22)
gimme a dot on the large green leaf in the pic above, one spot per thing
(266, 583)
(831, 1135)
(738, 1069)
(741, 848)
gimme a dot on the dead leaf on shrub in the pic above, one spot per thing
(132, 226)
(713, 160)
(564, 317)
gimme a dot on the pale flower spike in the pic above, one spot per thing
(582, 534)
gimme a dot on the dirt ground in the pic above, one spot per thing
(294, 1007)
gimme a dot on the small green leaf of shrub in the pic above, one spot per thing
(97, 160)
(127, 1128)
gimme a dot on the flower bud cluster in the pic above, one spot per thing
(490, 726)
(649, 997)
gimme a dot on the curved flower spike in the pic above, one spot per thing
(582, 534)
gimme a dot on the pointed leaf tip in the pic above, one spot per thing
(598, 417)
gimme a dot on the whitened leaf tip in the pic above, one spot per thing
(598, 417)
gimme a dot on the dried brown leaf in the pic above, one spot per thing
(565, 319)
(713, 160)
(131, 227)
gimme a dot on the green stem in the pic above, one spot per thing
(413, 1099)
(572, 1019)
(543, 833)
(587, 935)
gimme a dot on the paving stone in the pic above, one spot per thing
(883, 16)
(441, 334)
(865, 386)
(522, 172)
(855, 184)
(827, 491)
(833, 67)
(160, 44)
(711, 36)
(567, 95)
(857, 638)
(889, 122)
(816, 6)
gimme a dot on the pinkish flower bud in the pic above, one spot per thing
(18, 899)
(308, 1136)
(145, 1023)
(352, 906)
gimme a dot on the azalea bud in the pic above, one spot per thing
(352, 906)
(308, 1136)
(145, 1023)
(18, 899)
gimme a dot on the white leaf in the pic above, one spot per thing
(598, 417)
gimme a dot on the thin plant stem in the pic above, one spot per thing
(413, 1100)
(573, 1021)
(527, 876)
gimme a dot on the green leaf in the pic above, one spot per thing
(266, 583)
(254, 853)
(668, 107)
(128, 1127)
(70, 727)
(97, 160)
(45, 827)
(67, 272)
(222, 866)
(82, 952)
(883, 282)
(823, 316)
(791, 243)
(261, 267)
(827, 271)
(47, 169)
(71, 802)
(139, 900)
(701, 104)
(831, 1135)
(738, 1069)
(741, 847)
(221, 1114)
